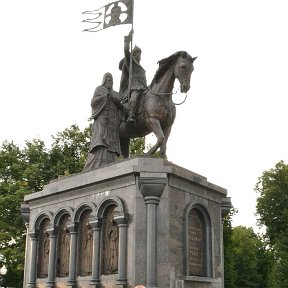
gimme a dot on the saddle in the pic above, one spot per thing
(139, 108)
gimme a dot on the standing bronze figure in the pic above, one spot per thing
(106, 112)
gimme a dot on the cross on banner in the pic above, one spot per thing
(114, 13)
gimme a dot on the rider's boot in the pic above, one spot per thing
(131, 117)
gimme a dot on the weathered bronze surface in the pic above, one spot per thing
(106, 112)
(136, 83)
(154, 109)
(149, 108)
(112, 14)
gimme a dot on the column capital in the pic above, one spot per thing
(121, 218)
(152, 200)
(226, 206)
(33, 234)
(152, 183)
(73, 227)
(96, 223)
(25, 212)
(52, 231)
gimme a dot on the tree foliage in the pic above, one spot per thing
(229, 267)
(247, 260)
(137, 146)
(272, 209)
(69, 151)
(13, 187)
(251, 258)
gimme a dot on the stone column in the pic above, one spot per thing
(96, 227)
(73, 229)
(122, 222)
(32, 274)
(25, 213)
(152, 186)
(52, 256)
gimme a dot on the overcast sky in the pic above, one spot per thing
(231, 128)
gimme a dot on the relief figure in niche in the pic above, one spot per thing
(43, 250)
(66, 254)
(85, 245)
(63, 248)
(46, 249)
(88, 250)
(111, 243)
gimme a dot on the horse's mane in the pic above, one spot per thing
(165, 63)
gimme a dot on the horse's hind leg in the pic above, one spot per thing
(124, 144)
(163, 147)
(157, 130)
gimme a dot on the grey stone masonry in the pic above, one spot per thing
(169, 222)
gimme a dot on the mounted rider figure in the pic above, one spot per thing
(133, 80)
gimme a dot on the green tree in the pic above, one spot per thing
(251, 258)
(69, 151)
(27, 169)
(22, 171)
(229, 269)
(247, 260)
(137, 146)
(272, 209)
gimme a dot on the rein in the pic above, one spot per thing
(167, 93)
(182, 101)
(161, 94)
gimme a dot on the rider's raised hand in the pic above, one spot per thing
(129, 37)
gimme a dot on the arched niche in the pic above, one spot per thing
(83, 215)
(40, 243)
(43, 248)
(108, 201)
(197, 241)
(110, 241)
(109, 211)
(62, 220)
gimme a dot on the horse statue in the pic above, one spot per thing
(156, 110)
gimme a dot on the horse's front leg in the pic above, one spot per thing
(163, 147)
(156, 128)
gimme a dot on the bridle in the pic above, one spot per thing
(167, 93)
(172, 93)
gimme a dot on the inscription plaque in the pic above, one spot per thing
(195, 244)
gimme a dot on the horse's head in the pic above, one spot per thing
(183, 70)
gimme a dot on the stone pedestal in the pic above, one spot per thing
(168, 219)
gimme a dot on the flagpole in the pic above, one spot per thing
(131, 47)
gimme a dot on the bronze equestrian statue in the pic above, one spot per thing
(152, 108)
